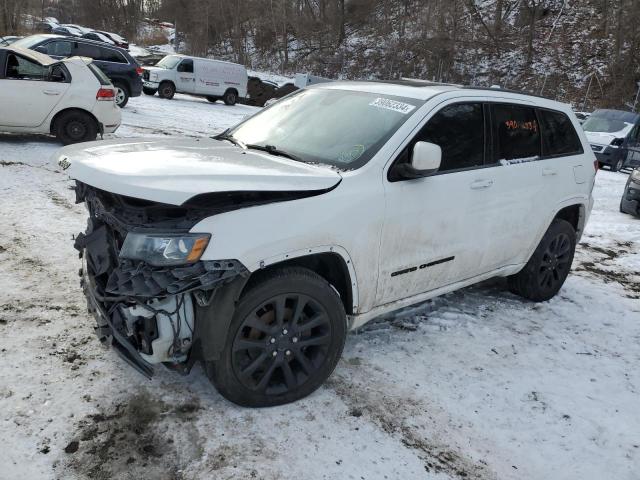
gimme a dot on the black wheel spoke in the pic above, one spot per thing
(264, 381)
(301, 302)
(258, 324)
(248, 344)
(253, 366)
(313, 341)
(304, 362)
(289, 376)
(314, 322)
(279, 307)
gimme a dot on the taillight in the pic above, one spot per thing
(105, 94)
(139, 70)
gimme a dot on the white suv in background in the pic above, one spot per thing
(255, 252)
(71, 99)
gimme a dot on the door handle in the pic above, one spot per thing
(546, 171)
(480, 184)
(51, 92)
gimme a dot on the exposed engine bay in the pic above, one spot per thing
(147, 312)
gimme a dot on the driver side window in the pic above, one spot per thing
(186, 66)
(459, 130)
(19, 68)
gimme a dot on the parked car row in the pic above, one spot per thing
(78, 31)
(122, 69)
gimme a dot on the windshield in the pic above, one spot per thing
(607, 125)
(335, 127)
(169, 62)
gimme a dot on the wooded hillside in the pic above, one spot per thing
(558, 48)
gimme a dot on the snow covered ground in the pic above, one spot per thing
(476, 384)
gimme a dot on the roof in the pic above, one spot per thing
(422, 89)
(38, 57)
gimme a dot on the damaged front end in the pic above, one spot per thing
(143, 277)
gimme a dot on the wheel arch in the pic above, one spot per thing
(330, 264)
(55, 118)
(574, 214)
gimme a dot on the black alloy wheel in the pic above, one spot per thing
(285, 339)
(556, 262)
(281, 344)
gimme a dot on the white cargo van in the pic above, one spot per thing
(212, 79)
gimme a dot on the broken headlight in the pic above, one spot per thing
(162, 250)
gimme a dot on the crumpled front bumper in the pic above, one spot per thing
(106, 330)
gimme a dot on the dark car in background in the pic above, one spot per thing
(630, 202)
(612, 135)
(115, 38)
(98, 37)
(66, 31)
(122, 69)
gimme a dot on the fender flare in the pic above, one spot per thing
(334, 249)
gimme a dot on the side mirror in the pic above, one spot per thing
(425, 160)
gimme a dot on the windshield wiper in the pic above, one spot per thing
(230, 138)
(273, 150)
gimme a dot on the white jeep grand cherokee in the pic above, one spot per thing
(256, 251)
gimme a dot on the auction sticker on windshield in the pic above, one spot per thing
(394, 105)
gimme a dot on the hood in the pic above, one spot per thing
(605, 138)
(172, 171)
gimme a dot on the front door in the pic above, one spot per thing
(433, 235)
(28, 94)
(186, 80)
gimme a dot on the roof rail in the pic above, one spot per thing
(495, 88)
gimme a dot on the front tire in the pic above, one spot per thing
(75, 127)
(285, 339)
(122, 95)
(166, 90)
(213, 99)
(230, 97)
(547, 269)
(616, 167)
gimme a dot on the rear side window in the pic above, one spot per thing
(558, 135)
(102, 78)
(517, 132)
(59, 49)
(85, 50)
(459, 131)
(109, 55)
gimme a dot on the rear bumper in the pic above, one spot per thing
(136, 87)
(610, 156)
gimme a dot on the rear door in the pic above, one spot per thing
(186, 80)
(28, 94)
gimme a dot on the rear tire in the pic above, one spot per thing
(122, 94)
(75, 127)
(166, 90)
(149, 91)
(547, 269)
(230, 97)
(285, 339)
